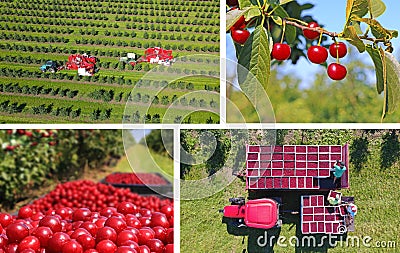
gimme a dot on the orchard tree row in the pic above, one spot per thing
(44, 14)
(37, 90)
(41, 39)
(29, 28)
(136, 118)
(55, 22)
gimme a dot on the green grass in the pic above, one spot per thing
(145, 162)
(376, 194)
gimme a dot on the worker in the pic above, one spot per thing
(338, 169)
(334, 200)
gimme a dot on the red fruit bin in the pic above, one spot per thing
(140, 183)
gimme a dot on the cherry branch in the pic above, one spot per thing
(317, 29)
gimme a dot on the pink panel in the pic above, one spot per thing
(265, 173)
(312, 164)
(306, 201)
(321, 227)
(277, 156)
(277, 164)
(261, 183)
(288, 148)
(309, 182)
(254, 149)
(320, 200)
(336, 149)
(269, 183)
(300, 164)
(313, 227)
(300, 182)
(323, 156)
(278, 149)
(252, 164)
(277, 172)
(277, 182)
(305, 228)
(266, 157)
(301, 149)
(323, 148)
(289, 156)
(319, 210)
(307, 217)
(265, 165)
(312, 157)
(335, 157)
(252, 156)
(307, 210)
(288, 172)
(313, 149)
(292, 182)
(301, 157)
(289, 165)
(324, 165)
(285, 182)
(328, 228)
(301, 172)
(312, 173)
(266, 148)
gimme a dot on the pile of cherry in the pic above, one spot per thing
(85, 217)
(138, 178)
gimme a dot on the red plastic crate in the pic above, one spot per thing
(318, 210)
(288, 148)
(300, 182)
(312, 149)
(285, 182)
(261, 183)
(323, 148)
(305, 228)
(276, 156)
(253, 183)
(307, 210)
(312, 157)
(319, 217)
(278, 149)
(252, 156)
(312, 165)
(336, 149)
(265, 172)
(292, 182)
(266, 149)
(252, 164)
(307, 217)
(254, 148)
(328, 227)
(288, 172)
(301, 172)
(314, 201)
(323, 156)
(324, 165)
(266, 157)
(324, 172)
(300, 164)
(335, 228)
(269, 183)
(313, 227)
(252, 172)
(301, 157)
(329, 217)
(335, 157)
(312, 173)
(289, 165)
(301, 149)
(306, 201)
(289, 156)
(277, 183)
(321, 227)
(277, 172)
(309, 182)
(277, 164)
(320, 200)
(265, 165)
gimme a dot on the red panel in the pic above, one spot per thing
(312, 157)
(329, 217)
(335, 228)
(252, 156)
(253, 164)
(288, 148)
(266, 157)
(301, 157)
(288, 172)
(266, 148)
(301, 172)
(269, 183)
(289, 165)
(301, 149)
(276, 156)
(324, 172)
(321, 227)
(300, 164)
(300, 182)
(312, 149)
(320, 200)
(265, 165)
(312, 164)
(328, 228)
(336, 149)
(323, 156)
(289, 156)
(305, 228)
(292, 182)
(306, 201)
(324, 165)
(314, 201)
(309, 182)
(265, 173)
(285, 182)
(323, 148)
(278, 149)
(261, 213)
(312, 173)
(307, 210)
(307, 218)
(319, 217)
(319, 210)
(277, 183)
(254, 148)
(336, 157)
(313, 227)
(261, 183)
(277, 164)
(277, 172)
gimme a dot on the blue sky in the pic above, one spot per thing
(332, 15)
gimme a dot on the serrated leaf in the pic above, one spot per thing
(377, 55)
(290, 33)
(253, 12)
(377, 8)
(356, 8)
(244, 58)
(285, 1)
(358, 28)
(244, 3)
(260, 61)
(350, 34)
(393, 82)
(277, 19)
(378, 30)
(233, 16)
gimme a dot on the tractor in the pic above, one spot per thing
(50, 66)
(84, 64)
(152, 55)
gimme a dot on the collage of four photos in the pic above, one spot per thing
(160, 126)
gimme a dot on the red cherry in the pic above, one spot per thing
(43, 234)
(281, 51)
(56, 242)
(337, 71)
(16, 232)
(155, 245)
(106, 246)
(338, 50)
(317, 54)
(169, 248)
(29, 242)
(240, 36)
(311, 35)
(125, 249)
(72, 247)
(52, 222)
(240, 24)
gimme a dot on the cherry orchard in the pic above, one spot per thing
(255, 51)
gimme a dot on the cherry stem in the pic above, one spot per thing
(283, 30)
(320, 39)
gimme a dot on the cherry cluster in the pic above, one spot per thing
(20, 137)
(117, 221)
(316, 54)
(238, 32)
(135, 178)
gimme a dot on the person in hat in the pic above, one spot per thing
(338, 169)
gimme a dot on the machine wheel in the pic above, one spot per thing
(51, 70)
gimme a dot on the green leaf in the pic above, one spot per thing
(285, 1)
(378, 30)
(253, 12)
(290, 33)
(358, 28)
(350, 34)
(233, 16)
(393, 82)
(260, 61)
(244, 3)
(377, 8)
(244, 58)
(377, 55)
(356, 8)
(277, 19)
